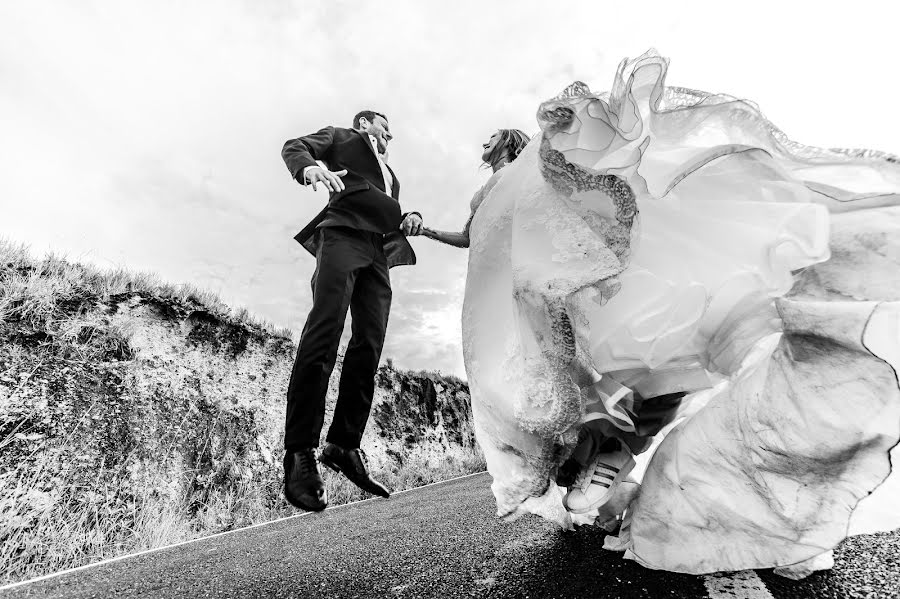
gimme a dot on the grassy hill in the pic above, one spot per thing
(135, 413)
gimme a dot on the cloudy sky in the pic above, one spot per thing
(148, 134)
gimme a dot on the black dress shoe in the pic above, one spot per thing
(303, 486)
(352, 464)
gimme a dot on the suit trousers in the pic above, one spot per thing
(351, 272)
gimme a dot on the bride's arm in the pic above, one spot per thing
(460, 240)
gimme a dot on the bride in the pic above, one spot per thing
(502, 148)
(674, 312)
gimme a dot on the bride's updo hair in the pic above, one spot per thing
(511, 143)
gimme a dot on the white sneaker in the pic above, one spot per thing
(597, 483)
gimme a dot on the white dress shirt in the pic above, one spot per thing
(388, 179)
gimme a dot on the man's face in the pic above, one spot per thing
(380, 130)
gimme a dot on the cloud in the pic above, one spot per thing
(148, 134)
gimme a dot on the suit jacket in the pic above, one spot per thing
(364, 203)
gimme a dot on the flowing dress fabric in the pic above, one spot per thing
(662, 240)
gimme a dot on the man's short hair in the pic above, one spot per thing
(369, 115)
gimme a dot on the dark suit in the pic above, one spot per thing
(355, 240)
(364, 203)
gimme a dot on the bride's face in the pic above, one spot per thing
(489, 146)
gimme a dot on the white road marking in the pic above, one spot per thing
(736, 585)
(220, 534)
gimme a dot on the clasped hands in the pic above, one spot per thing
(411, 225)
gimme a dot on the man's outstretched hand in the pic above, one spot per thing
(411, 225)
(330, 179)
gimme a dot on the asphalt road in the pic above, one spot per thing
(439, 541)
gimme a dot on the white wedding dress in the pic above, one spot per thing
(658, 240)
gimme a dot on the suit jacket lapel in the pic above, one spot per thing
(395, 187)
(395, 184)
(368, 142)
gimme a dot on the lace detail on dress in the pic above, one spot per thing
(676, 98)
(574, 241)
(556, 113)
(616, 236)
(499, 219)
(568, 178)
(682, 97)
(605, 241)
(549, 402)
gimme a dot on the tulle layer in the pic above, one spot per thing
(643, 240)
(770, 471)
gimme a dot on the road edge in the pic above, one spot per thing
(119, 558)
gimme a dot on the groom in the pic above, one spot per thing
(356, 238)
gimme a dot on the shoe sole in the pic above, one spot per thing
(625, 471)
(299, 505)
(330, 464)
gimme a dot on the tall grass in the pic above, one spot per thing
(75, 485)
(46, 529)
(43, 293)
